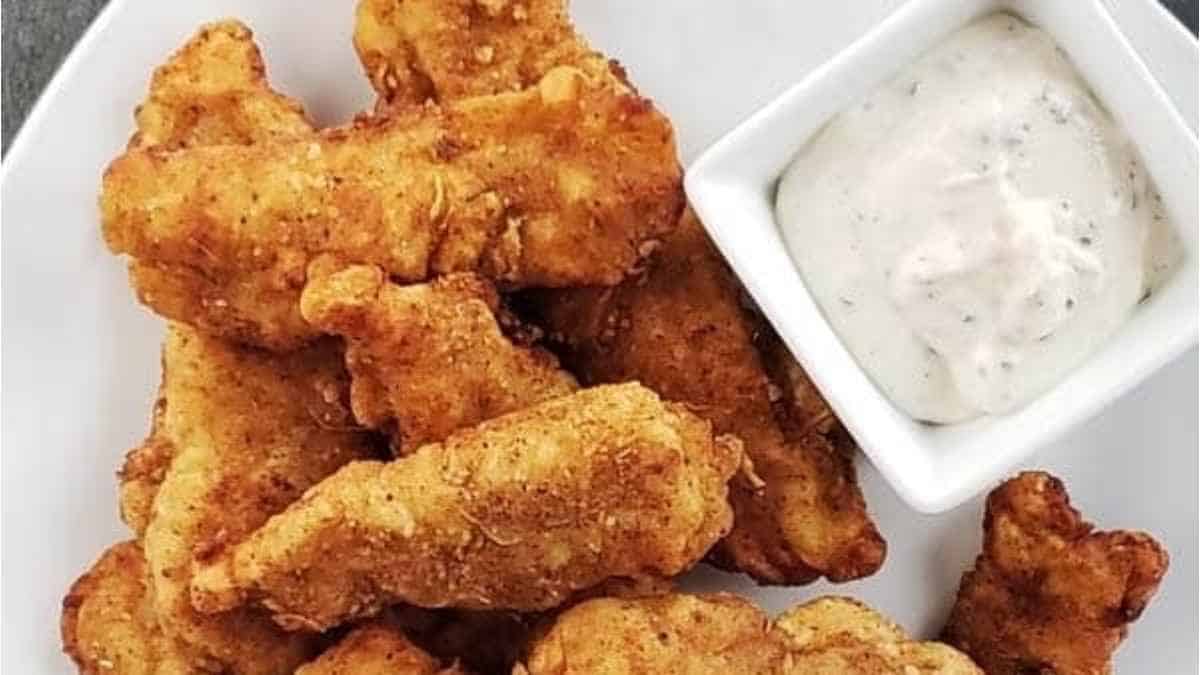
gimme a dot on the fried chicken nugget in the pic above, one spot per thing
(721, 633)
(376, 648)
(108, 624)
(250, 431)
(428, 359)
(681, 330)
(563, 184)
(518, 513)
(414, 50)
(1049, 594)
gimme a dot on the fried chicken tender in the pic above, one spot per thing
(248, 431)
(108, 624)
(376, 648)
(566, 183)
(428, 359)
(1049, 594)
(415, 50)
(681, 330)
(720, 633)
(518, 513)
(213, 91)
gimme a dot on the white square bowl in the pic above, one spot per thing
(934, 468)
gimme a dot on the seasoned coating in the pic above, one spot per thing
(836, 636)
(1049, 594)
(428, 359)
(563, 184)
(681, 330)
(518, 513)
(671, 634)
(146, 465)
(376, 648)
(251, 431)
(108, 625)
(415, 50)
(212, 91)
(720, 633)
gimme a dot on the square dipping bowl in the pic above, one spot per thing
(934, 468)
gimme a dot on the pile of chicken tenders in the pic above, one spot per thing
(461, 386)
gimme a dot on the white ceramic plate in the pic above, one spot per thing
(82, 358)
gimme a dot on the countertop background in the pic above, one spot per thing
(38, 34)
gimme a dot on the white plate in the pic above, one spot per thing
(82, 357)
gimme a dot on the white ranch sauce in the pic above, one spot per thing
(977, 227)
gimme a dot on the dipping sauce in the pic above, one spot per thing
(977, 227)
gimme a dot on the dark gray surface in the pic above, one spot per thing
(39, 33)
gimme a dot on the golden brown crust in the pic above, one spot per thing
(251, 431)
(447, 50)
(145, 467)
(680, 329)
(583, 181)
(108, 625)
(376, 648)
(520, 513)
(214, 90)
(1049, 594)
(428, 359)
(838, 636)
(720, 633)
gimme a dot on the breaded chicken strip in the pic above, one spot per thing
(249, 431)
(720, 633)
(376, 648)
(427, 359)
(566, 183)
(518, 513)
(679, 328)
(1049, 594)
(108, 625)
(213, 91)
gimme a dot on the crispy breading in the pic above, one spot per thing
(566, 183)
(840, 636)
(677, 633)
(451, 49)
(108, 624)
(720, 633)
(518, 513)
(681, 330)
(146, 465)
(1048, 593)
(376, 648)
(427, 359)
(251, 431)
(214, 90)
